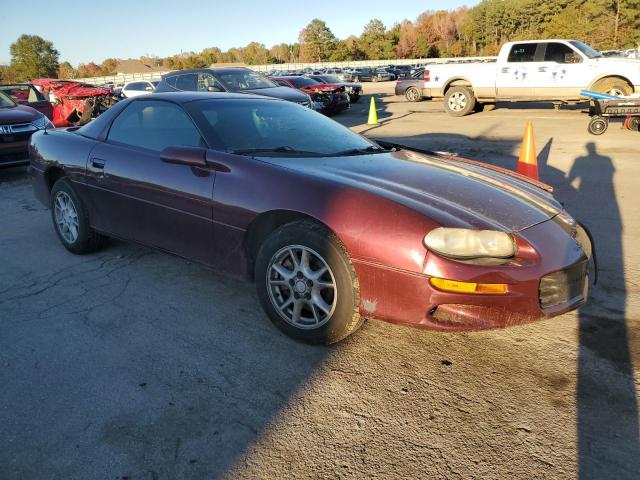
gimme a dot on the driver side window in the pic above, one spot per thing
(154, 125)
(561, 53)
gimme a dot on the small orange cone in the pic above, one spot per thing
(528, 163)
(373, 115)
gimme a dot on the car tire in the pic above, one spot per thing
(613, 86)
(71, 220)
(412, 94)
(459, 101)
(313, 309)
(598, 125)
(354, 98)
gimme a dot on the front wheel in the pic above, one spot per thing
(459, 101)
(598, 125)
(307, 285)
(71, 220)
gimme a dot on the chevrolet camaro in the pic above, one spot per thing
(332, 227)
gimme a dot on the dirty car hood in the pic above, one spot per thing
(450, 192)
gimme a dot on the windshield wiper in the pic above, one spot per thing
(283, 149)
(361, 151)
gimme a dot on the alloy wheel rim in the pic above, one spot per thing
(301, 287)
(66, 217)
(616, 92)
(413, 94)
(457, 101)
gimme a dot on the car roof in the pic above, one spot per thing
(186, 97)
(207, 70)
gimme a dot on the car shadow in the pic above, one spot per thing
(607, 404)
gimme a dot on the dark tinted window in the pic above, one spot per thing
(238, 80)
(523, 52)
(282, 83)
(187, 82)
(154, 125)
(232, 125)
(561, 53)
(208, 83)
(137, 86)
(22, 93)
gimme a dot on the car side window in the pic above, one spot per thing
(522, 52)
(155, 125)
(282, 83)
(187, 82)
(208, 83)
(561, 53)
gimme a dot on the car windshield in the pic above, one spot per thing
(274, 128)
(586, 49)
(6, 101)
(331, 79)
(239, 80)
(300, 82)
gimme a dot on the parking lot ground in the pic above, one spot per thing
(129, 363)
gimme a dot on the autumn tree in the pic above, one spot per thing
(32, 57)
(65, 70)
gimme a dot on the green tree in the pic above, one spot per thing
(317, 42)
(33, 57)
(375, 41)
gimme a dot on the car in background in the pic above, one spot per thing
(384, 74)
(327, 98)
(28, 94)
(412, 88)
(367, 75)
(332, 227)
(402, 71)
(17, 123)
(134, 89)
(228, 79)
(74, 103)
(354, 90)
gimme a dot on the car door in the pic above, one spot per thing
(563, 72)
(137, 196)
(518, 77)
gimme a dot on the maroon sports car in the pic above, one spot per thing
(332, 227)
(17, 124)
(329, 99)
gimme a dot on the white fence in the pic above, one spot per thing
(130, 77)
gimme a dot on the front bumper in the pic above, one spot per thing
(549, 260)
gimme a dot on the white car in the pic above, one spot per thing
(533, 70)
(134, 89)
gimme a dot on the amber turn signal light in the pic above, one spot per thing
(468, 287)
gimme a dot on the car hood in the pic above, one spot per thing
(285, 93)
(452, 193)
(19, 114)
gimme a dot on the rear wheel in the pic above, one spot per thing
(459, 101)
(307, 285)
(613, 86)
(71, 220)
(413, 94)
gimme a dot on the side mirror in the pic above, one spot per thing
(149, 89)
(192, 156)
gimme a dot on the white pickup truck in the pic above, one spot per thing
(533, 70)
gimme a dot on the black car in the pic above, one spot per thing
(367, 75)
(353, 89)
(401, 71)
(236, 79)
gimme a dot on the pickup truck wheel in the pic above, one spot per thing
(459, 101)
(413, 94)
(613, 86)
(307, 285)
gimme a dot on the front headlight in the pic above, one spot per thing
(465, 243)
(42, 122)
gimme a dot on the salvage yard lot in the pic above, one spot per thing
(133, 364)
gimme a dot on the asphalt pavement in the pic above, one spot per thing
(133, 364)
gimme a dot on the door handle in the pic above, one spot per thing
(505, 70)
(97, 163)
(542, 69)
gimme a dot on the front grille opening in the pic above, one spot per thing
(564, 286)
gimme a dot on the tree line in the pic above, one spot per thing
(476, 31)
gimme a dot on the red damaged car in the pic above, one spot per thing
(327, 98)
(74, 103)
(332, 227)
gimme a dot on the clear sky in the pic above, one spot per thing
(92, 31)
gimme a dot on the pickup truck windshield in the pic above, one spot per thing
(586, 49)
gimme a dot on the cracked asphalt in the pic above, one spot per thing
(132, 364)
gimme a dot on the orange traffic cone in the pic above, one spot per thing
(528, 163)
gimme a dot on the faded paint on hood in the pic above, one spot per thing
(452, 193)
